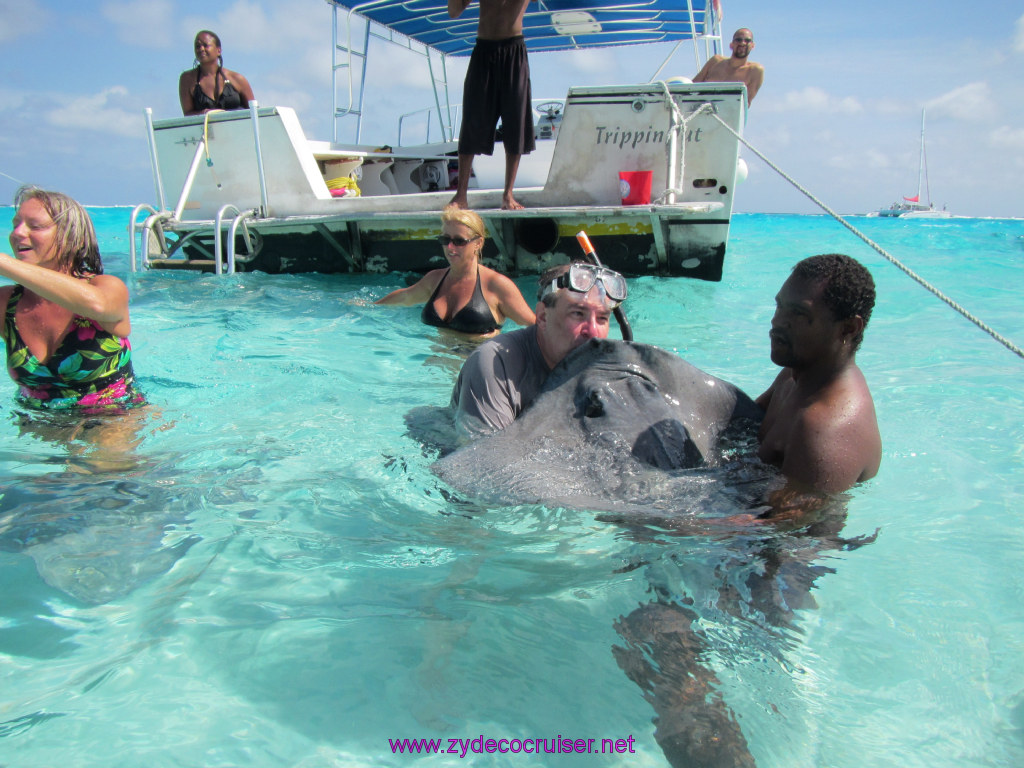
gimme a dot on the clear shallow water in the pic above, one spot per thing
(278, 579)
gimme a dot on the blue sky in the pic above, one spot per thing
(839, 111)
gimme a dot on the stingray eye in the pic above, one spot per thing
(593, 406)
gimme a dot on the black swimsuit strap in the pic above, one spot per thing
(220, 71)
(437, 290)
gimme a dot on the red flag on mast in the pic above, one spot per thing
(914, 199)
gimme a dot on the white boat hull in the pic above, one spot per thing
(224, 165)
(913, 213)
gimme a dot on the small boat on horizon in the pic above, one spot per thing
(912, 207)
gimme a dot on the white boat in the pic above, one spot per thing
(912, 207)
(247, 190)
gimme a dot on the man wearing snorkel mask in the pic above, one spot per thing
(504, 375)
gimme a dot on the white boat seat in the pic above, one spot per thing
(403, 171)
(415, 175)
(376, 179)
(432, 176)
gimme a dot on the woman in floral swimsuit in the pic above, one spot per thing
(65, 324)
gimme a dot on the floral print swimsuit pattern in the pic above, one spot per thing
(91, 367)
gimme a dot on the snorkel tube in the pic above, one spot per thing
(591, 255)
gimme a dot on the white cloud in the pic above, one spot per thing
(589, 64)
(142, 22)
(294, 34)
(1007, 137)
(773, 136)
(971, 103)
(12, 100)
(869, 159)
(23, 17)
(813, 99)
(97, 113)
(1009, 142)
(876, 160)
(396, 69)
(890, 106)
(286, 43)
(842, 162)
(285, 31)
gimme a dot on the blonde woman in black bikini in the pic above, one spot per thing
(209, 86)
(467, 296)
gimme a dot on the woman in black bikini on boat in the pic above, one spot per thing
(467, 297)
(209, 86)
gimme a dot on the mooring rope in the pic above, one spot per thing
(8, 176)
(679, 126)
(885, 254)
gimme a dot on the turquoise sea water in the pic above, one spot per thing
(277, 579)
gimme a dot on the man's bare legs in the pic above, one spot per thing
(508, 202)
(461, 199)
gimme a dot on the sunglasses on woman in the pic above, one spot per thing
(460, 242)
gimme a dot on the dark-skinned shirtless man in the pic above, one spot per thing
(820, 426)
(497, 85)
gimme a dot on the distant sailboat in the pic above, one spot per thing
(912, 207)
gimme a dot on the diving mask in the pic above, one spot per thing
(582, 277)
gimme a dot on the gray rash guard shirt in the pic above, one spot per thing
(498, 381)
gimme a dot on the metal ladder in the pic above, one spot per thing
(153, 226)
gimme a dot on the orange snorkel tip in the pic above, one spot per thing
(584, 241)
(591, 254)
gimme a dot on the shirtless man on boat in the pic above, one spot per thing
(736, 69)
(497, 85)
(820, 426)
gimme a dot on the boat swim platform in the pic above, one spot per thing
(681, 239)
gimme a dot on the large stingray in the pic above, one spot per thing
(618, 426)
(95, 537)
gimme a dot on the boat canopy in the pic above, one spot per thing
(550, 25)
(424, 27)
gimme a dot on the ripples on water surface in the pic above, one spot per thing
(277, 578)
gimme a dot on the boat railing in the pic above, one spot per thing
(155, 220)
(152, 220)
(218, 230)
(428, 114)
(349, 54)
(157, 179)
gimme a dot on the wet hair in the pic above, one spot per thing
(78, 252)
(849, 287)
(469, 219)
(547, 276)
(216, 39)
